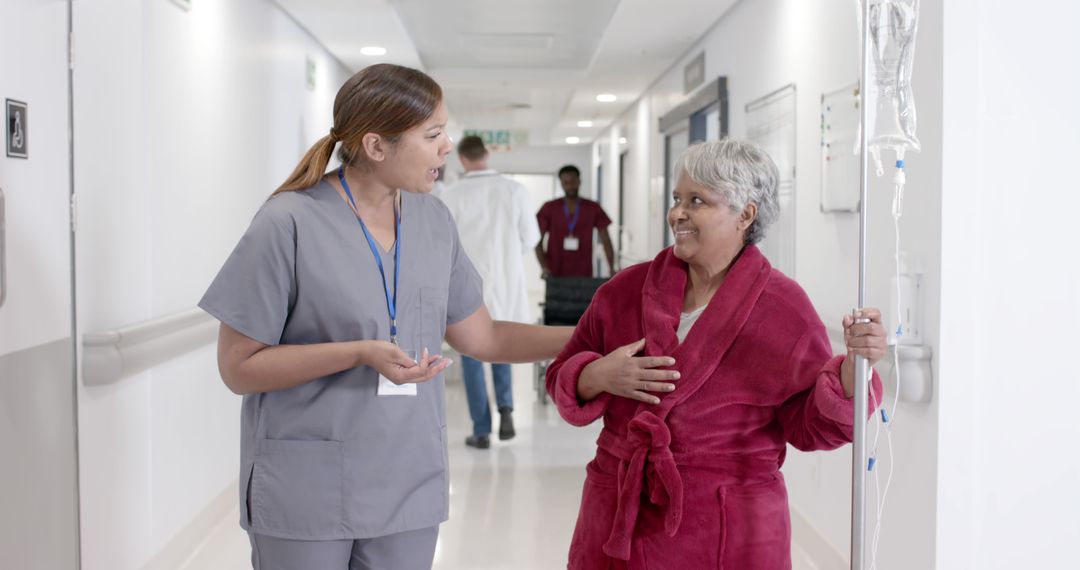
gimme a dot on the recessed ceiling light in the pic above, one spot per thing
(584, 124)
(622, 140)
(606, 98)
(572, 140)
(373, 50)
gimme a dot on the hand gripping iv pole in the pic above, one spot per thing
(862, 367)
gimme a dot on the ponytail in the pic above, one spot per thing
(311, 167)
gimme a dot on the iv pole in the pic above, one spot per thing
(862, 367)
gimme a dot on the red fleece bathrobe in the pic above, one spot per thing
(694, 482)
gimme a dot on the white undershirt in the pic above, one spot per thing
(687, 320)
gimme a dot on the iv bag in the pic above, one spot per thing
(889, 99)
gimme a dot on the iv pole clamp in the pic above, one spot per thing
(862, 367)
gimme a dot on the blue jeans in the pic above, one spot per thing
(476, 392)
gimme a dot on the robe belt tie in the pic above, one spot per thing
(650, 461)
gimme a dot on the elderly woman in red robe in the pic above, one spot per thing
(736, 364)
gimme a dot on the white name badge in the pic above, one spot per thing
(570, 243)
(388, 388)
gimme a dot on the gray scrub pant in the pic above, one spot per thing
(410, 550)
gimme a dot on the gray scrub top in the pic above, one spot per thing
(329, 459)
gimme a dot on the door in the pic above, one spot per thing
(674, 145)
(703, 116)
(597, 261)
(622, 246)
(38, 483)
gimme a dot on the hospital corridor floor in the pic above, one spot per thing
(512, 507)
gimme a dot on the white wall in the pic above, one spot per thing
(760, 46)
(184, 123)
(1008, 493)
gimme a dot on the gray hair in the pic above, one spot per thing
(740, 171)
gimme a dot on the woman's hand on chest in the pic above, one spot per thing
(621, 373)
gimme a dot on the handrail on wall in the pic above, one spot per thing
(907, 351)
(915, 366)
(113, 355)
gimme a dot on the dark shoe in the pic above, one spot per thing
(506, 423)
(478, 441)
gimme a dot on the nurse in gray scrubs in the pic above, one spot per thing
(332, 307)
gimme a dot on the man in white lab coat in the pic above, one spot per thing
(497, 229)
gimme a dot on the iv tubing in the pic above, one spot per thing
(899, 180)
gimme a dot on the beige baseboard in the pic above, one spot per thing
(177, 553)
(810, 550)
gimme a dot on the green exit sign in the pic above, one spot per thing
(501, 140)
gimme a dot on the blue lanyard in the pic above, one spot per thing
(391, 304)
(577, 214)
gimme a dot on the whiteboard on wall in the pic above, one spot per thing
(770, 123)
(839, 162)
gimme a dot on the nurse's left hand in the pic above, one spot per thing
(397, 367)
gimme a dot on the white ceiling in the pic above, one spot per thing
(519, 64)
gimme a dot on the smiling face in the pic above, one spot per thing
(707, 231)
(412, 164)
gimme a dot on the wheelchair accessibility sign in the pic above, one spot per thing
(16, 133)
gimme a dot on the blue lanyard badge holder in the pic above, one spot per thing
(386, 387)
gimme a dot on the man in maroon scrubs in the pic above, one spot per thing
(569, 223)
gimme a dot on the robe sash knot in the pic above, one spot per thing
(649, 462)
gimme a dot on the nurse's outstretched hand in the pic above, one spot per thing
(397, 367)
